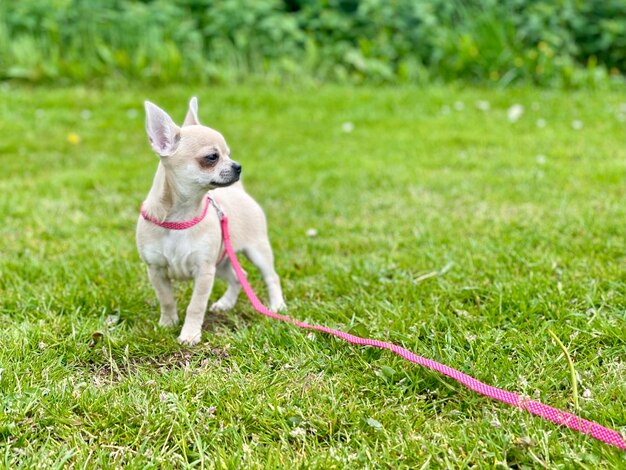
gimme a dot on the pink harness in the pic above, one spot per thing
(555, 415)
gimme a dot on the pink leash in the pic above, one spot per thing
(574, 422)
(557, 416)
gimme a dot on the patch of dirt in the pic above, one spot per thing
(231, 320)
(115, 371)
(218, 320)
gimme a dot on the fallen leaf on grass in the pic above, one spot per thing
(112, 320)
(373, 423)
(524, 441)
(298, 432)
(441, 272)
(96, 336)
(388, 372)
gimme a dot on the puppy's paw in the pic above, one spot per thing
(278, 306)
(189, 339)
(222, 305)
(168, 322)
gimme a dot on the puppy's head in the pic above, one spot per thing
(195, 155)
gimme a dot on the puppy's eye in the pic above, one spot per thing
(212, 157)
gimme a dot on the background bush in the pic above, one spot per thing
(566, 43)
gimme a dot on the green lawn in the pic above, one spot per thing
(453, 232)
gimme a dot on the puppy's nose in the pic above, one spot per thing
(237, 167)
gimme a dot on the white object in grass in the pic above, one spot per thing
(515, 112)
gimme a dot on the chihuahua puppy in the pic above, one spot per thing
(195, 159)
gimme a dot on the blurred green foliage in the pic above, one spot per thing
(563, 43)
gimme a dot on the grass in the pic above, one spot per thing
(453, 232)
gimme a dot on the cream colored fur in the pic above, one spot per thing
(193, 160)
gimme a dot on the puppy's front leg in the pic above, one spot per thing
(164, 292)
(192, 328)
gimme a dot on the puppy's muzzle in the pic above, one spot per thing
(235, 172)
(228, 176)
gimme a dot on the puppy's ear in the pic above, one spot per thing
(192, 114)
(162, 132)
